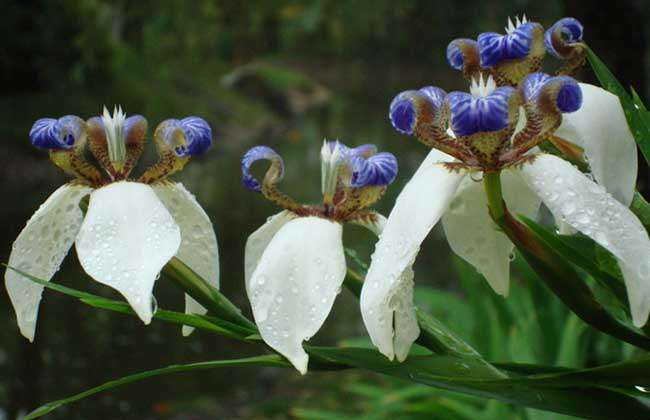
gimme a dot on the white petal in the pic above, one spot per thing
(259, 240)
(587, 207)
(199, 249)
(125, 240)
(600, 127)
(389, 280)
(406, 323)
(474, 237)
(295, 283)
(39, 250)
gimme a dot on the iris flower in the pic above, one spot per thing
(294, 263)
(132, 227)
(494, 130)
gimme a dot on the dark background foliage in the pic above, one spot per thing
(282, 73)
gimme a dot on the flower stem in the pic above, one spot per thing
(492, 185)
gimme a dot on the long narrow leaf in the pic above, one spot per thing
(196, 321)
(271, 360)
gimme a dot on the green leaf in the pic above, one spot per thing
(641, 208)
(636, 115)
(271, 360)
(206, 294)
(562, 279)
(207, 323)
(570, 392)
(564, 246)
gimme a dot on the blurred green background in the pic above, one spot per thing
(286, 74)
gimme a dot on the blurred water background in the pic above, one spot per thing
(286, 74)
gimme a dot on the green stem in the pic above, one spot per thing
(496, 206)
(205, 294)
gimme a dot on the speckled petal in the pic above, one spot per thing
(389, 283)
(294, 285)
(600, 128)
(586, 206)
(475, 238)
(199, 249)
(125, 240)
(39, 250)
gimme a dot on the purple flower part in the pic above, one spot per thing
(57, 134)
(197, 133)
(377, 170)
(135, 124)
(435, 95)
(565, 32)
(253, 155)
(470, 115)
(365, 150)
(455, 55)
(495, 48)
(407, 106)
(532, 84)
(565, 90)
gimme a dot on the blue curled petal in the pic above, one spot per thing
(408, 106)
(198, 134)
(532, 84)
(565, 32)
(134, 128)
(435, 95)
(253, 155)
(365, 150)
(57, 134)
(569, 96)
(564, 89)
(377, 170)
(455, 55)
(495, 48)
(470, 115)
(402, 113)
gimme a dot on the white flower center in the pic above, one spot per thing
(330, 158)
(114, 128)
(481, 88)
(511, 28)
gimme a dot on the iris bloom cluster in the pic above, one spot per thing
(495, 130)
(294, 263)
(132, 227)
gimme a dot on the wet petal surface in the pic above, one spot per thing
(125, 240)
(199, 249)
(389, 283)
(587, 207)
(294, 285)
(39, 250)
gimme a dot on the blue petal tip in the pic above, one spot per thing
(57, 134)
(564, 33)
(253, 155)
(377, 170)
